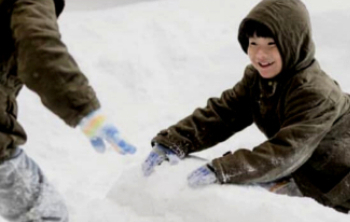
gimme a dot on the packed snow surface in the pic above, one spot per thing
(152, 62)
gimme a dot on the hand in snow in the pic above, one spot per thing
(96, 127)
(202, 176)
(157, 156)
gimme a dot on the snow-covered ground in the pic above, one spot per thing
(151, 63)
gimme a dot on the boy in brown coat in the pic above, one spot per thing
(32, 54)
(301, 110)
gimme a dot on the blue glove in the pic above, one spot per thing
(96, 127)
(202, 176)
(157, 156)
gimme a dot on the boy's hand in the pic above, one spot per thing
(202, 176)
(157, 156)
(96, 127)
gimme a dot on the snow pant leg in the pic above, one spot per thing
(26, 195)
(285, 187)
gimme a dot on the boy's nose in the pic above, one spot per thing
(261, 54)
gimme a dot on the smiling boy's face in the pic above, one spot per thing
(265, 56)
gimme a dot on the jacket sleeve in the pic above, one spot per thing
(220, 119)
(44, 64)
(304, 126)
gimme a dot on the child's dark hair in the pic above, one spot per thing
(249, 28)
(252, 28)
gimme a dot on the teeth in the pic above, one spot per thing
(265, 63)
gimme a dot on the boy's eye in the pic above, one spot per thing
(272, 43)
(252, 43)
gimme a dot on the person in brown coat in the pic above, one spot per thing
(303, 113)
(32, 54)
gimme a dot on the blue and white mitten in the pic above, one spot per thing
(202, 176)
(158, 155)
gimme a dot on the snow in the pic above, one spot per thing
(151, 63)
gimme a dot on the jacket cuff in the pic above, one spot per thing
(219, 171)
(163, 138)
(75, 120)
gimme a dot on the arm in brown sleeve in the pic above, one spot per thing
(305, 125)
(44, 64)
(220, 119)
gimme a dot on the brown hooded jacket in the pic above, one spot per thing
(302, 111)
(32, 54)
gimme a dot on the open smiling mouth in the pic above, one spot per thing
(265, 64)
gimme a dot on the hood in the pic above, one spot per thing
(290, 25)
(59, 5)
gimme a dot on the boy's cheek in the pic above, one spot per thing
(251, 58)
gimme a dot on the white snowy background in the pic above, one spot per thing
(152, 62)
